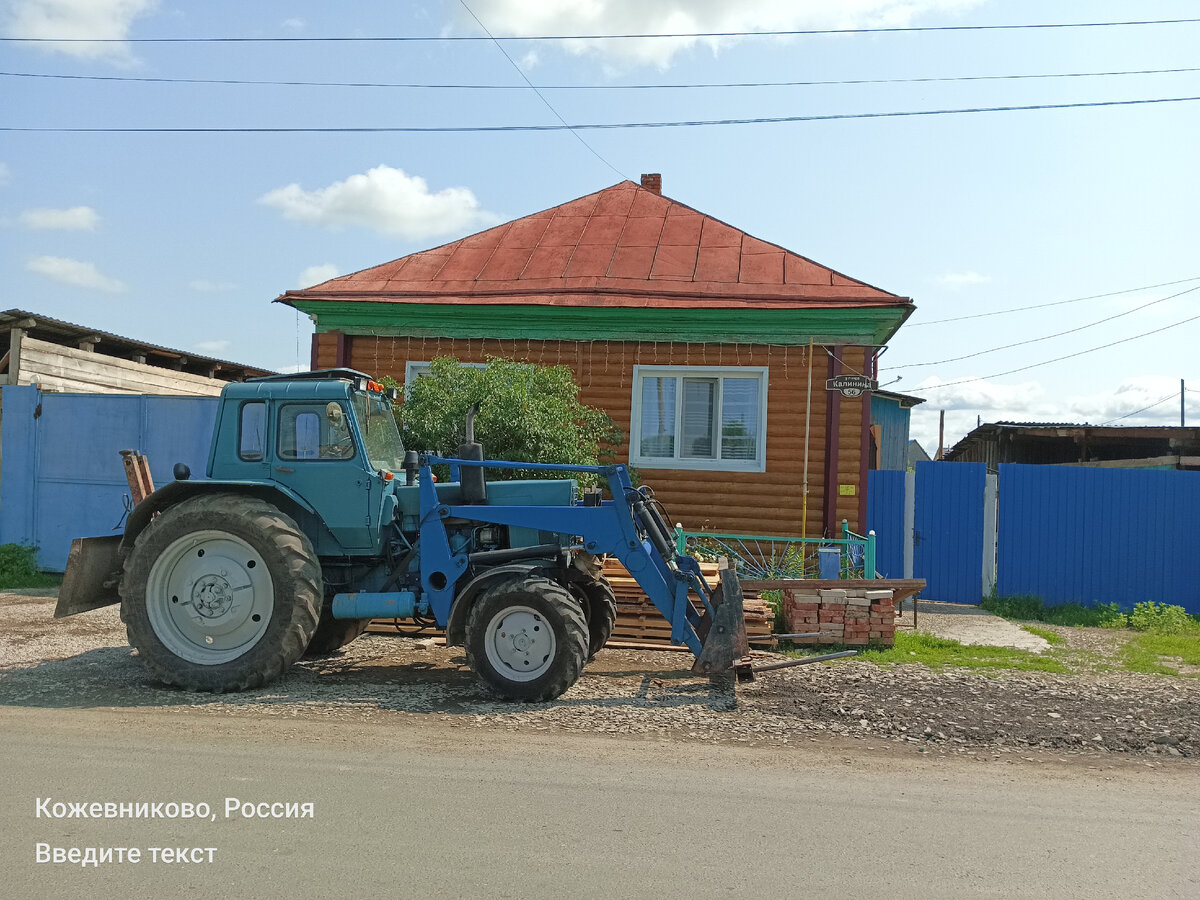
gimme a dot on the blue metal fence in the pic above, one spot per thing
(885, 516)
(1070, 533)
(62, 475)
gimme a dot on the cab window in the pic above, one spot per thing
(314, 431)
(252, 431)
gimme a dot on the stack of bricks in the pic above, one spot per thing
(853, 617)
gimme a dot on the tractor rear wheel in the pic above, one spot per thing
(527, 638)
(221, 593)
(600, 605)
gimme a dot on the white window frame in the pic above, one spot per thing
(759, 464)
(414, 369)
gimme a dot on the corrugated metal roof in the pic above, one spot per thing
(624, 246)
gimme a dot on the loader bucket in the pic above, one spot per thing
(726, 642)
(93, 573)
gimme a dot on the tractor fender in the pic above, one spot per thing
(177, 491)
(456, 624)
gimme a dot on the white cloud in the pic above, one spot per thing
(204, 286)
(294, 25)
(979, 401)
(955, 281)
(210, 347)
(316, 275)
(5, 173)
(90, 24)
(536, 17)
(75, 273)
(77, 218)
(1135, 401)
(384, 200)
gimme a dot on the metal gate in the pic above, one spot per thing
(62, 475)
(885, 516)
(948, 530)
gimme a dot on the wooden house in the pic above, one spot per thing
(709, 347)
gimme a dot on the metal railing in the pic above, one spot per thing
(764, 558)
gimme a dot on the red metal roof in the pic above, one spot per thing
(624, 246)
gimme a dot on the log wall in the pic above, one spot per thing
(766, 503)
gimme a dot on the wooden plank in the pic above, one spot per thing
(108, 373)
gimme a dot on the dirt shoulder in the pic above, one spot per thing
(85, 662)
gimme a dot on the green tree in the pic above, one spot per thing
(527, 413)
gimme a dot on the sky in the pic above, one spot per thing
(1091, 214)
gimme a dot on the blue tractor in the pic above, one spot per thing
(314, 519)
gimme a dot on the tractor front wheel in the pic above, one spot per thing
(600, 605)
(527, 638)
(221, 593)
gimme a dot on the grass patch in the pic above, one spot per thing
(937, 653)
(18, 569)
(1050, 637)
(1146, 651)
(1028, 608)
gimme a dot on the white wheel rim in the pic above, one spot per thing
(519, 643)
(209, 597)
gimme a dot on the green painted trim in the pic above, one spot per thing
(871, 326)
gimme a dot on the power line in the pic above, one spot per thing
(1142, 410)
(592, 150)
(1047, 362)
(589, 126)
(1048, 337)
(1016, 309)
(798, 32)
(596, 87)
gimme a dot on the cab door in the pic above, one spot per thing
(318, 454)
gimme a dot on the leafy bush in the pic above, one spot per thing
(18, 568)
(526, 413)
(1162, 618)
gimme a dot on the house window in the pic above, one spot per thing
(699, 418)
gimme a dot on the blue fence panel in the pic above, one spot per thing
(885, 516)
(62, 474)
(1094, 535)
(948, 530)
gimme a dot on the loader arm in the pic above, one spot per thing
(626, 527)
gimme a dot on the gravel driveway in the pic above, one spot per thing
(85, 662)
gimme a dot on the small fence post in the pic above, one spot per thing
(680, 540)
(869, 559)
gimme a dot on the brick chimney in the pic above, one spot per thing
(652, 182)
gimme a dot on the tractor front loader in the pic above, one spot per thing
(313, 519)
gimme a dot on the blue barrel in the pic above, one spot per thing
(829, 561)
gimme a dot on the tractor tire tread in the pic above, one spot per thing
(295, 563)
(572, 644)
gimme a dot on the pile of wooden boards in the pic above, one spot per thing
(639, 623)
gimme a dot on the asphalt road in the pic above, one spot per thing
(406, 809)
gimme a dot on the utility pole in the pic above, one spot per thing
(1182, 403)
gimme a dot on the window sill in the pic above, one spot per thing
(699, 465)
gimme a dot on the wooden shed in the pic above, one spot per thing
(709, 347)
(65, 357)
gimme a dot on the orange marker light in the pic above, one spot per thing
(388, 476)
